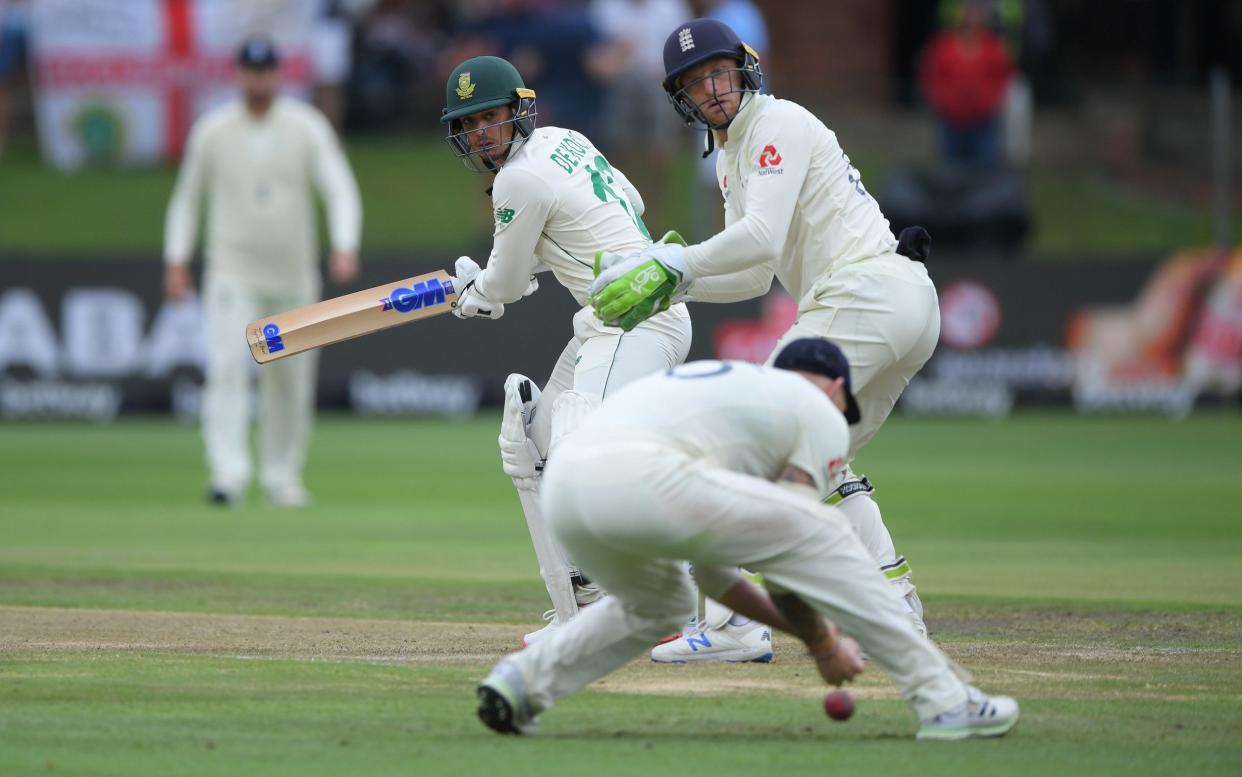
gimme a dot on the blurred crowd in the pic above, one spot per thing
(589, 60)
(595, 64)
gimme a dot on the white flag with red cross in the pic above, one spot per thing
(121, 81)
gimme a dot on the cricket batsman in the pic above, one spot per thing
(796, 209)
(724, 464)
(556, 201)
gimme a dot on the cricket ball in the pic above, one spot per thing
(839, 704)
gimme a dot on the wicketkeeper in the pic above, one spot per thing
(796, 209)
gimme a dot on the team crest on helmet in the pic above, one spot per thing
(465, 89)
(685, 39)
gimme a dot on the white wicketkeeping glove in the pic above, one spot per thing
(471, 303)
(519, 457)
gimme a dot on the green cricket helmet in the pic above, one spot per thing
(477, 85)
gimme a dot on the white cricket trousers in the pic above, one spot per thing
(884, 315)
(596, 361)
(599, 360)
(630, 512)
(286, 388)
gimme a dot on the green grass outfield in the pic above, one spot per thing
(1090, 567)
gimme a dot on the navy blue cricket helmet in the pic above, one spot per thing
(820, 356)
(696, 42)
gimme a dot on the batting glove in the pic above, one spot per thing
(470, 301)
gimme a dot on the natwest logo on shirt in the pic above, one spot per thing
(770, 161)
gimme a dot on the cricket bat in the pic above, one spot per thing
(350, 315)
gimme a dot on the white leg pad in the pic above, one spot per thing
(523, 462)
(554, 568)
(568, 412)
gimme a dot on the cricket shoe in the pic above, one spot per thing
(751, 641)
(979, 716)
(584, 595)
(287, 495)
(551, 624)
(218, 496)
(502, 701)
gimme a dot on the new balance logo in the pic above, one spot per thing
(423, 295)
(685, 39)
(696, 641)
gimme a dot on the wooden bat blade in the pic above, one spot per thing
(351, 315)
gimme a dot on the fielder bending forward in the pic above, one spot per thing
(721, 464)
(795, 208)
(557, 200)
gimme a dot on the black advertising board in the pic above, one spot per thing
(92, 337)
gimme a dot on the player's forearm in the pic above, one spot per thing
(345, 220)
(180, 226)
(804, 622)
(734, 287)
(344, 207)
(745, 244)
(752, 601)
(511, 263)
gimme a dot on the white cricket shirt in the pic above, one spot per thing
(259, 175)
(743, 417)
(557, 201)
(793, 202)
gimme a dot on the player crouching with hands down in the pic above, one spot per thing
(557, 201)
(721, 464)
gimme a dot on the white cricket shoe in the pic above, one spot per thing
(980, 716)
(584, 595)
(502, 701)
(551, 624)
(288, 495)
(751, 641)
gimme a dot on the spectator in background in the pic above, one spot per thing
(256, 161)
(643, 134)
(743, 16)
(395, 74)
(965, 73)
(14, 26)
(332, 43)
(558, 46)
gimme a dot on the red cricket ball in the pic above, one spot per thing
(839, 704)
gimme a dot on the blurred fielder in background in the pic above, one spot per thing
(723, 464)
(795, 207)
(257, 161)
(556, 201)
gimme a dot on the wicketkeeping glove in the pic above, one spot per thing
(630, 289)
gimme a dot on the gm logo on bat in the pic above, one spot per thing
(423, 295)
(271, 333)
